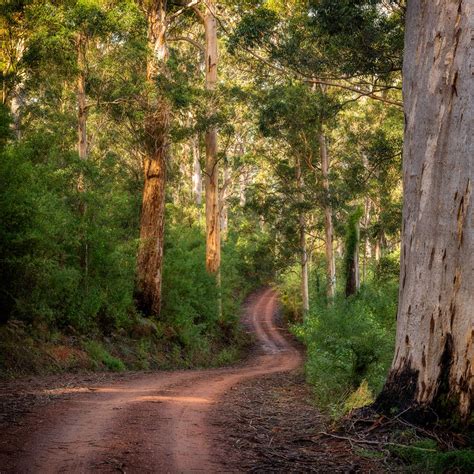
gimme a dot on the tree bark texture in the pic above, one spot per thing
(434, 353)
(157, 117)
(328, 225)
(213, 244)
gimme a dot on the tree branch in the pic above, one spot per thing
(189, 40)
(174, 15)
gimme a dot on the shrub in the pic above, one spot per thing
(99, 355)
(350, 346)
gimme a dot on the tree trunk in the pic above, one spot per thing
(367, 249)
(302, 234)
(242, 189)
(328, 226)
(81, 99)
(433, 364)
(213, 244)
(367, 212)
(150, 255)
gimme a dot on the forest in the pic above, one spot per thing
(252, 203)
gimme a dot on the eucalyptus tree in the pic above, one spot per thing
(160, 17)
(293, 113)
(433, 368)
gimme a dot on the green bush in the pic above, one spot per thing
(190, 295)
(44, 237)
(424, 456)
(350, 346)
(99, 355)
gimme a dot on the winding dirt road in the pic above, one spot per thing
(159, 422)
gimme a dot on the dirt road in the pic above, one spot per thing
(159, 422)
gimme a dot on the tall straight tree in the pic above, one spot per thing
(213, 244)
(157, 119)
(433, 365)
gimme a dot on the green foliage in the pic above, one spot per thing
(189, 292)
(343, 26)
(99, 356)
(254, 29)
(350, 343)
(44, 234)
(289, 291)
(424, 456)
(190, 308)
(388, 267)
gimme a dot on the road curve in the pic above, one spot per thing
(160, 422)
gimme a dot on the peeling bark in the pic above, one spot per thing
(213, 238)
(150, 255)
(435, 325)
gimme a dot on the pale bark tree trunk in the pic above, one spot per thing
(328, 225)
(367, 213)
(213, 245)
(242, 188)
(150, 255)
(81, 100)
(302, 237)
(367, 250)
(378, 249)
(433, 365)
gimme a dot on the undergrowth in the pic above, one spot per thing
(350, 340)
(425, 456)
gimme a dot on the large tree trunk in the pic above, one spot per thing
(150, 255)
(213, 243)
(328, 226)
(302, 234)
(433, 364)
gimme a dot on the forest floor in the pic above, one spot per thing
(253, 417)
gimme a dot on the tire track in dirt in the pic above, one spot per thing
(161, 422)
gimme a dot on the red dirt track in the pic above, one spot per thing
(157, 422)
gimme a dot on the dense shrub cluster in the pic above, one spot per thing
(60, 266)
(68, 260)
(349, 341)
(350, 346)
